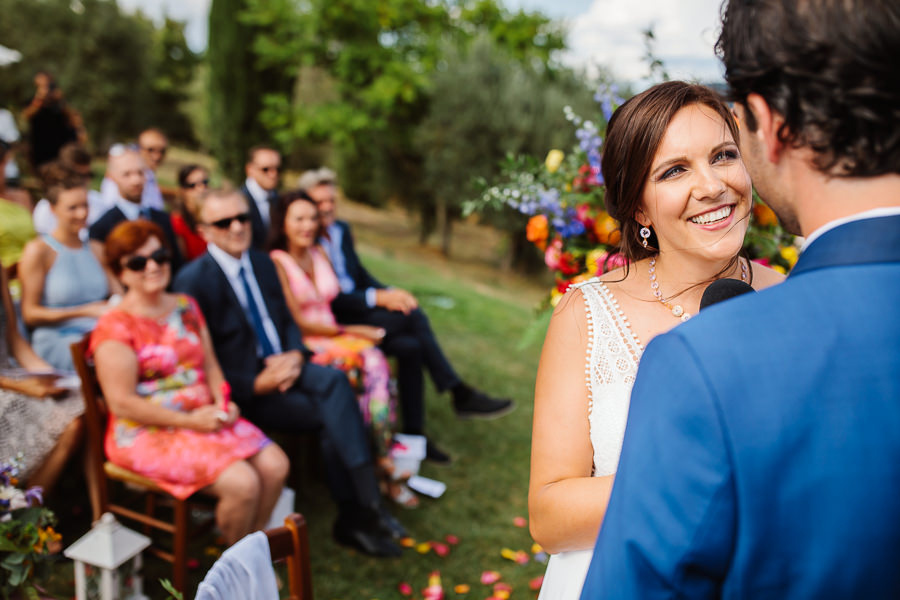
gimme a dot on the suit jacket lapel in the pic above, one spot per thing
(228, 291)
(858, 242)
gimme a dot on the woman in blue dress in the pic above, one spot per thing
(64, 286)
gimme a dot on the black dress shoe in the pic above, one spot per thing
(435, 454)
(368, 540)
(388, 524)
(470, 403)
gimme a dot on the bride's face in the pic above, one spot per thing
(698, 194)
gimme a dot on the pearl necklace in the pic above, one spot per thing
(677, 309)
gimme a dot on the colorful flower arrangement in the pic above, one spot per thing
(27, 537)
(562, 200)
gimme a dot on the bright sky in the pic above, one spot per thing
(601, 32)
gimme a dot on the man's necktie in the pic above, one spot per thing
(256, 317)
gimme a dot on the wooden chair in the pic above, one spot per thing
(96, 413)
(291, 543)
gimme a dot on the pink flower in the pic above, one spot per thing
(553, 254)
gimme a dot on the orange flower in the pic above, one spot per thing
(607, 230)
(537, 231)
(765, 216)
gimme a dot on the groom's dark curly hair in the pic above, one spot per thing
(831, 68)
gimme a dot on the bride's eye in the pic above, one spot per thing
(726, 155)
(671, 172)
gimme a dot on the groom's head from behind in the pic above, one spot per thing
(824, 73)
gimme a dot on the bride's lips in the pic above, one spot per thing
(719, 224)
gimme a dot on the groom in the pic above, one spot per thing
(762, 453)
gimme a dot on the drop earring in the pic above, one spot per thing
(645, 234)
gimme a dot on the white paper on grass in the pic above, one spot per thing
(426, 486)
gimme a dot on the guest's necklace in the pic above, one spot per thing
(677, 309)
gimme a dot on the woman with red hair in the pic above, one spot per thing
(171, 419)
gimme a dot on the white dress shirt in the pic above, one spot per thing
(261, 198)
(231, 266)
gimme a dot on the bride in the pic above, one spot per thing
(676, 184)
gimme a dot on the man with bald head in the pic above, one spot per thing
(127, 172)
(152, 146)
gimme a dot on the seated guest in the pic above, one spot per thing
(171, 420)
(363, 299)
(261, 352)
(309, 285)
(261, 190)
(193, 181)
(64, 286)
(152, 146)
(76, 159)
(41, 432)
(127, 172)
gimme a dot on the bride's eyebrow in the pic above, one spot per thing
(668, 163)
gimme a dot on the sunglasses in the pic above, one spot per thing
(193, 184)
(154, 149)
(225, 223)
(138, 263)
(269, 169)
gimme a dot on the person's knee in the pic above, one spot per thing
(273, 465)
(239, 483)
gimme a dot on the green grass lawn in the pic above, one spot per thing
(480, 327)
(488, 480)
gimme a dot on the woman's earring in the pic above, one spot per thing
(645, 233)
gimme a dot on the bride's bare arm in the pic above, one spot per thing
(565, 504)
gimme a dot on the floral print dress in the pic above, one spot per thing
(170, 359)
(364, 364)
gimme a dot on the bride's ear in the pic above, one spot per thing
(641, 218)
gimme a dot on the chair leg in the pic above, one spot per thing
(179, 565)
(150, 511)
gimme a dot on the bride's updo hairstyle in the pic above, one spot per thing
(633, 136)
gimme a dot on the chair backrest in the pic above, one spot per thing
(291, 543)
(95, 414)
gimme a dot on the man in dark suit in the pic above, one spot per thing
(261, 352)
(261, 190)
(126, 170)
(762, 456)
(364, 299)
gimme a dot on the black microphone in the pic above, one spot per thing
(723, 289)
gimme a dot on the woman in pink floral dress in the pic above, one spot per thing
(171, 420)
(310, 284)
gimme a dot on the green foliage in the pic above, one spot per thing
(117, 70)
(239, 82)
(486, 105)
(377, 64)
(170, 589)
(23, 548)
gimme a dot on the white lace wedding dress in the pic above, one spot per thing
(612, 359)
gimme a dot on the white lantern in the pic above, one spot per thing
(105, 549)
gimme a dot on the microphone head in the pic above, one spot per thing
(723, 289)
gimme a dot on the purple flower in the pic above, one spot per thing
(35, 493)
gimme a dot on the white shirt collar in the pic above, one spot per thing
(259, 195)
(868, 214)
(131, 210)
(230, 265)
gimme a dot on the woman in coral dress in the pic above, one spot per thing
(171, 420)
(310, 285)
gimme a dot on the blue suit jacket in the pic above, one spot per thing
(354, 301)
(762, 453)
(233, 336)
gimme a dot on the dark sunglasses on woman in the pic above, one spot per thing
(225, 223)
(138, 263)
(193, 184)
